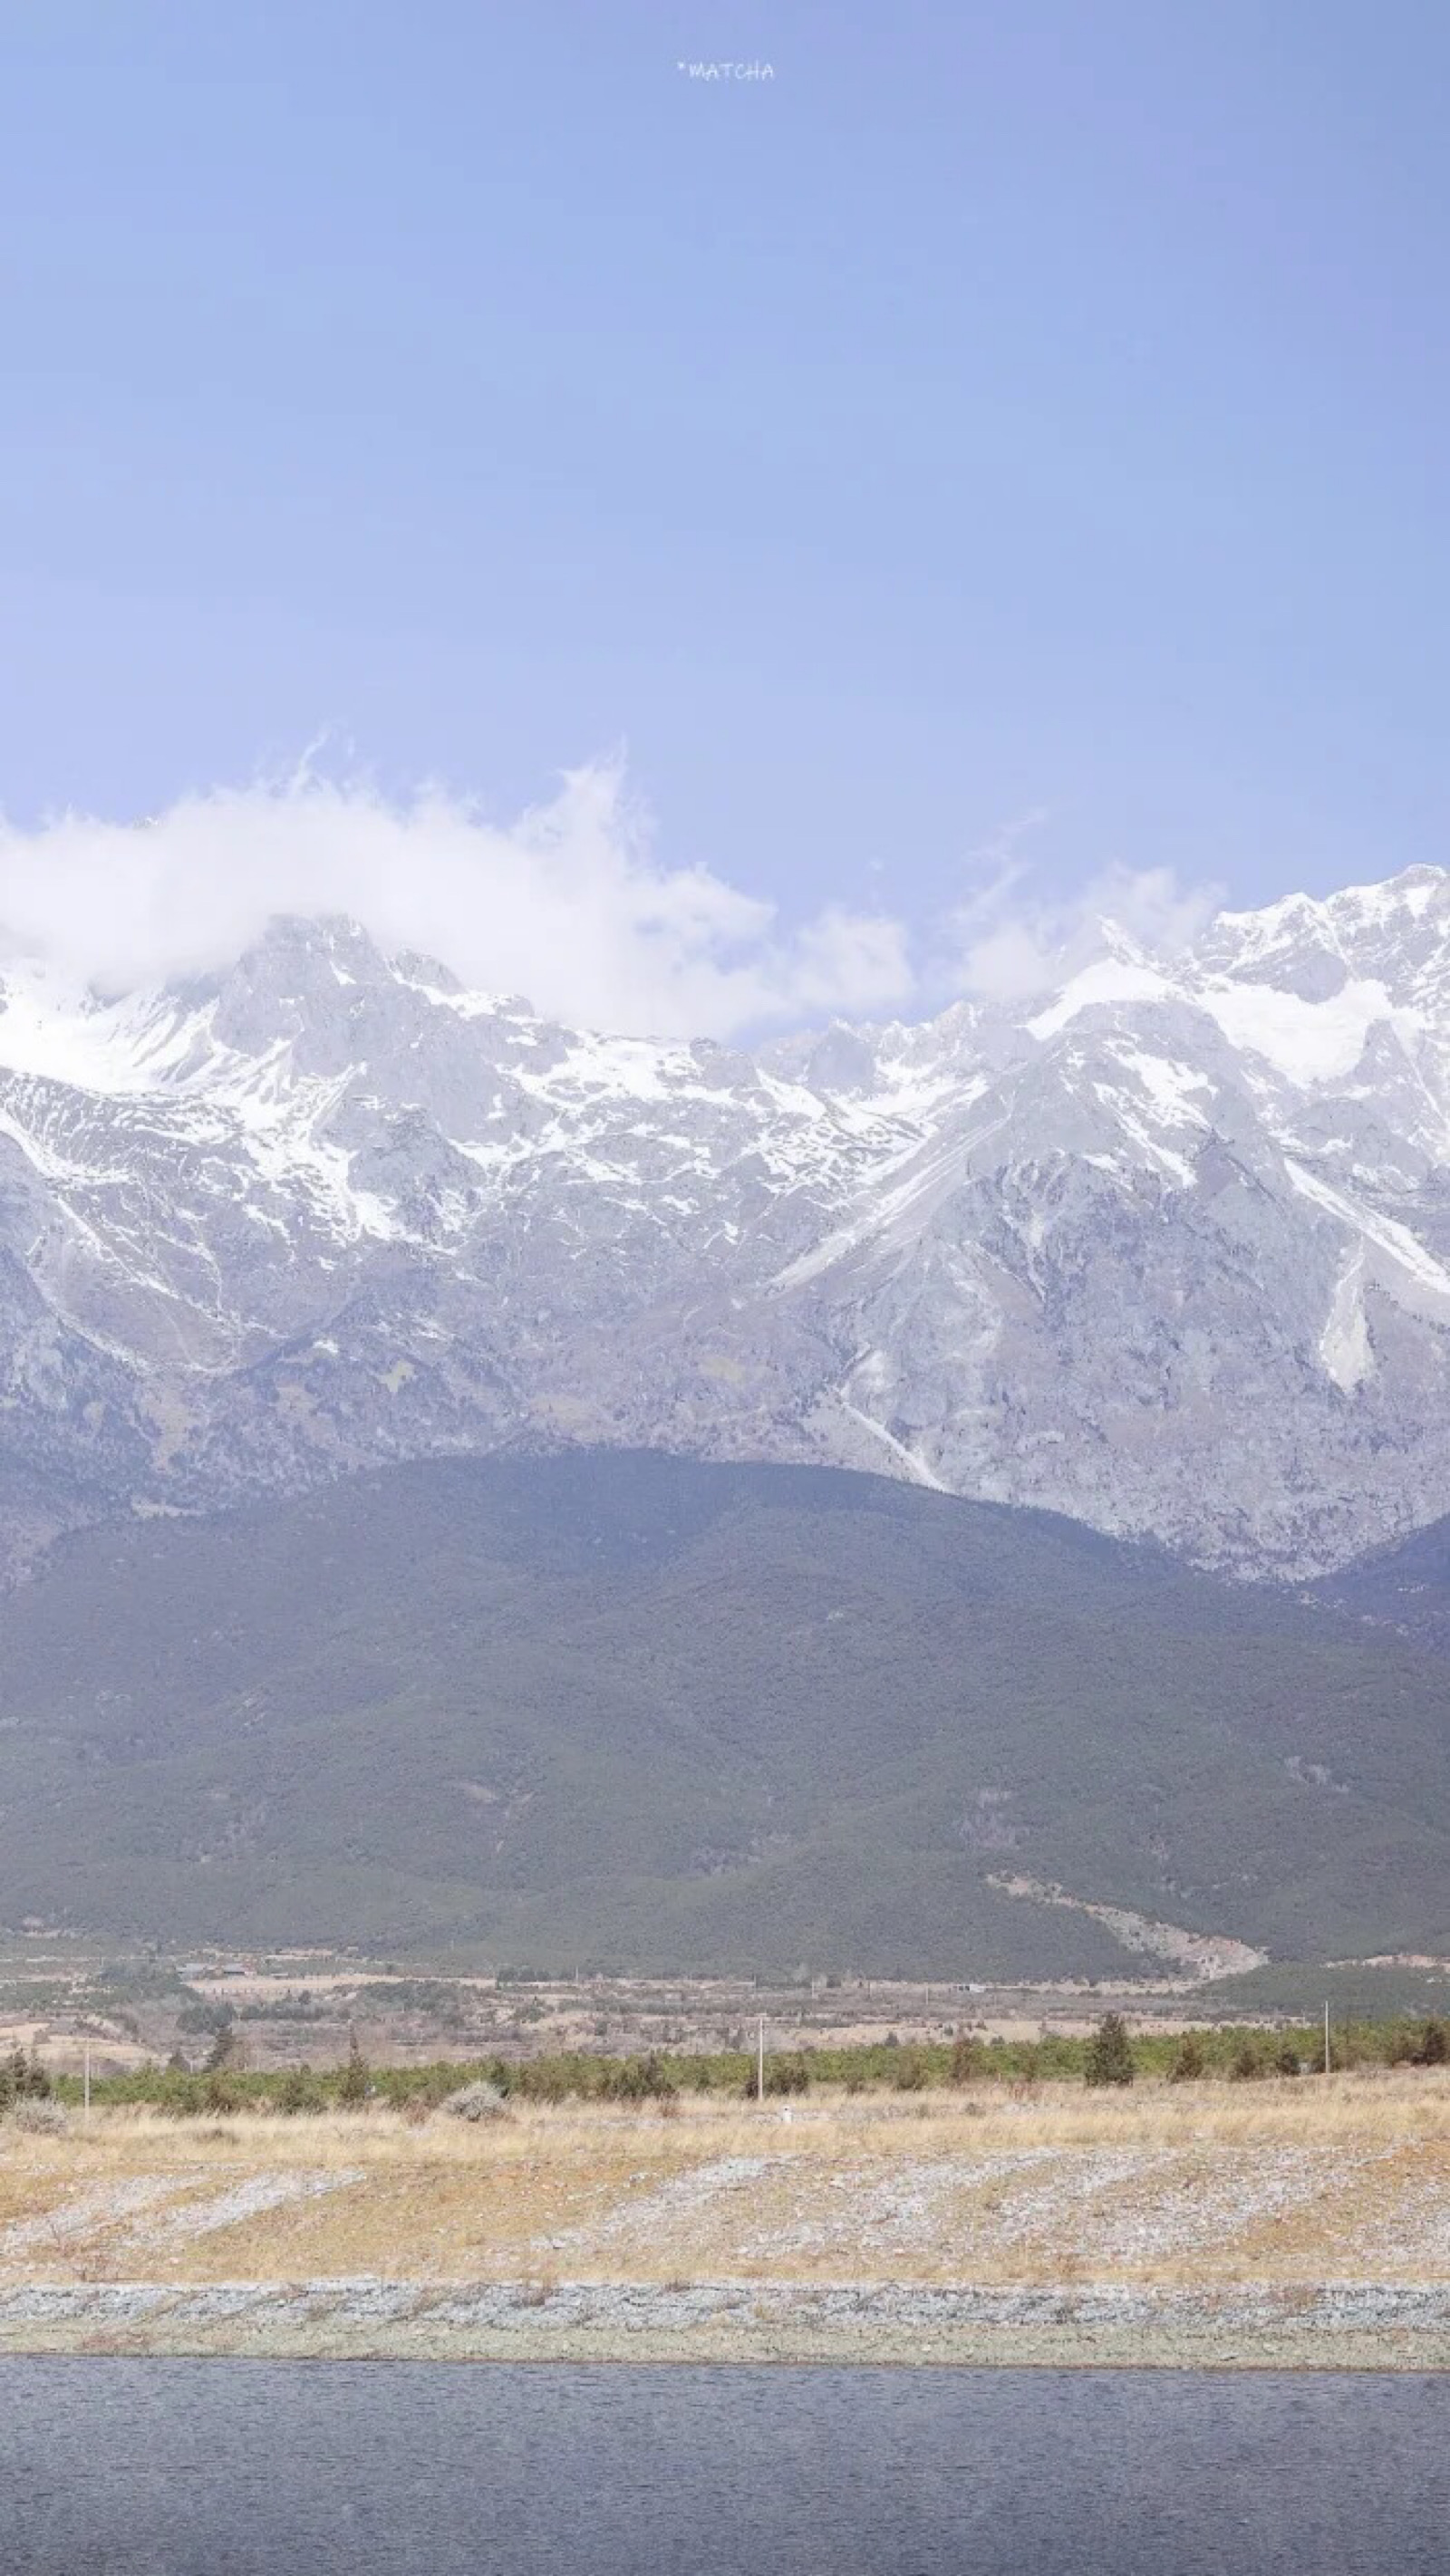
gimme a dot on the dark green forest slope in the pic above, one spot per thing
(1405, 1587)
(633, 1710)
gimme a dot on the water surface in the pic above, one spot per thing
(252, 2468)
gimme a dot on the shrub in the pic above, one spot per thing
(199, 2016)
(1109, 2058)
(784, 2074)
(968, 2058)
(478, 2101)
(40, 2119)
(1246, 2064)
(545, 2081)
(641, 2079)
(1286, 2058)
(1434, 2048)
(787, 2074)
(1191, 2063)
(299, 2093)
(179, 2094)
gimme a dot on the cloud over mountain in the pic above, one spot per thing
(1166, 1250)
(569, 904)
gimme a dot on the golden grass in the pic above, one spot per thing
(1375, 2102)
(1345, 2178)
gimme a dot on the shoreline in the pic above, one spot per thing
(1324, 2326)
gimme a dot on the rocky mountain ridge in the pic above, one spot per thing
(1165, 1247)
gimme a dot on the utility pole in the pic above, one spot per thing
(760, 2062)
(1326, 2039)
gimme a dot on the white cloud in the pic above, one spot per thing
(1008, 946)
(569, 904)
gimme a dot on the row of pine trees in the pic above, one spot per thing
(1109, 2056)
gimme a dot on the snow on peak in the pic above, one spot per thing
(1108, 980)
(1307, 1042)
(1300, 986)
(58, 1032)
(1165, 1247)
(1412, 891)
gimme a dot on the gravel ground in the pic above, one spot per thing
(1329, 2326)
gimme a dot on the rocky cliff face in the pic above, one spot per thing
(1167, 1249)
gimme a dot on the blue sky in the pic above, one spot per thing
(998, 411)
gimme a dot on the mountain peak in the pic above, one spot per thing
(309, 942)
(1167, 1251)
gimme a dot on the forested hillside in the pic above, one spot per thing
(636, 1710)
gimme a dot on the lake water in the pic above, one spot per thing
(246, 2468)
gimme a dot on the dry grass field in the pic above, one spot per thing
(1200, 2185)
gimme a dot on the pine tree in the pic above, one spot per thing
(353, 2085)
(1434, 2048)
(1109, 2057)
(966, 2058)
(1191, 2063)
(300, 2092)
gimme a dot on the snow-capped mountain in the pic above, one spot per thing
(1166, 1248)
